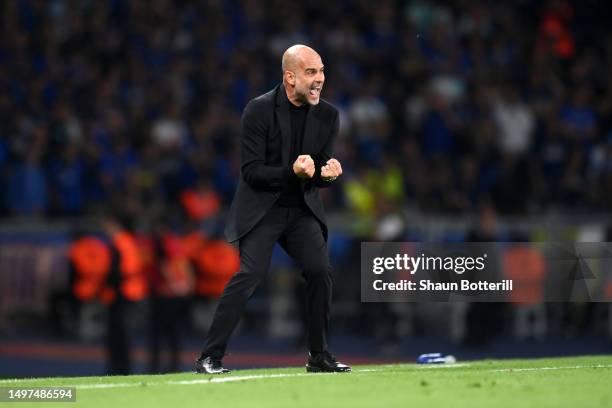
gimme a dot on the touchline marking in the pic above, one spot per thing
(552, 368)
(448, 365)
(216, 380)
(213, 380)
(223, 379)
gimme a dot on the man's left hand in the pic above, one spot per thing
(331, 171)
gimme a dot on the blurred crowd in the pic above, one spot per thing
(446, 106)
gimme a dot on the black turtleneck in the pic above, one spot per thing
(292, 195)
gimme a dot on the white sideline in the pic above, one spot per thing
(509, 370)
(223, 379)
(219, 379)
(448, 365)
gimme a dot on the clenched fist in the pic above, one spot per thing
(304, 166)
(331, 171)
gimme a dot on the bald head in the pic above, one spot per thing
(295, 55)
(303, 75)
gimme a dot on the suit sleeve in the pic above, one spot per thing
(326, 154)
(253, 149)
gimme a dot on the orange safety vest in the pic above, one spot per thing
(133, 282)
(91, 259)
(193, 243)
(171, 275)
(216, 263)
(200, 205)
(177, 270)
(526, 266)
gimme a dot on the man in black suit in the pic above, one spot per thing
(287, 143)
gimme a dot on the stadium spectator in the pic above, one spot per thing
(130, 88)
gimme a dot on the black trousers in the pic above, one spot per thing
(166, 318)
(300, 235)
(117, 339)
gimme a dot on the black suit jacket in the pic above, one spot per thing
(265, 168)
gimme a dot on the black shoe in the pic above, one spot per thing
(210, 365)
(325, 363)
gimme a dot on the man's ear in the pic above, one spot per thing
(290, 76)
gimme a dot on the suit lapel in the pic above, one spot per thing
(282, 115)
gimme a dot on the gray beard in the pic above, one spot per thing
(302, 97)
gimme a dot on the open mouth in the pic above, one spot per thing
(315, 91)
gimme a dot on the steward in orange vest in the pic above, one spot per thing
(170, 276)
(92, 260)
(215, 262)
(125, 283)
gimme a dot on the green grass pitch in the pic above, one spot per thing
(555, 382)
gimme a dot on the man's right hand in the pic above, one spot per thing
(304, 167)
